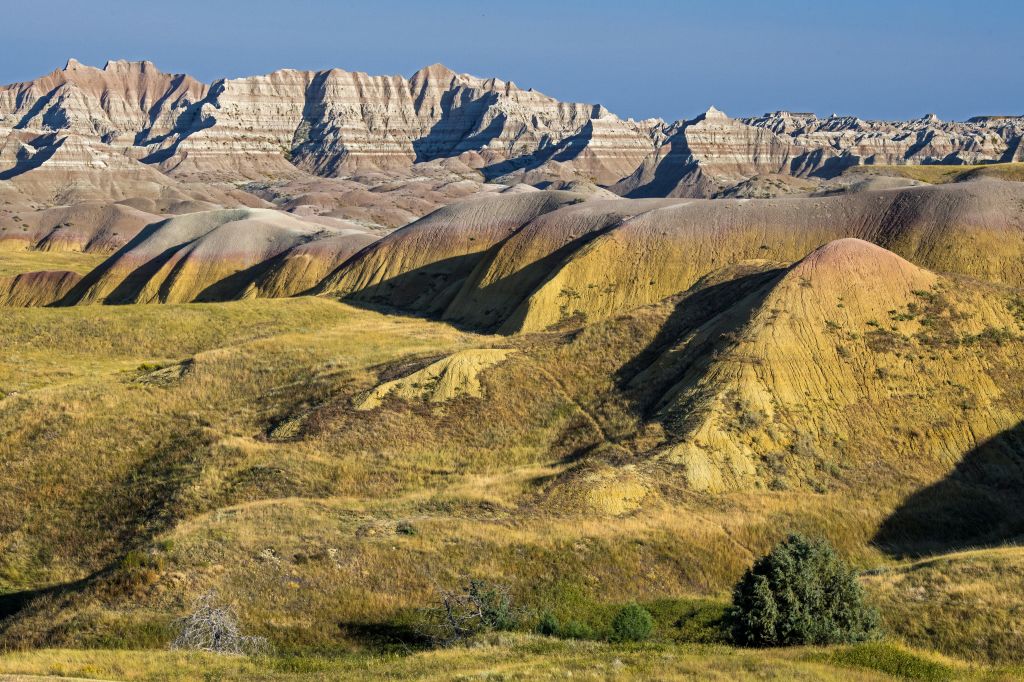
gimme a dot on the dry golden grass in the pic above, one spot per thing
(967, 603)
(155, 452)
(17, 262)
(512, 658)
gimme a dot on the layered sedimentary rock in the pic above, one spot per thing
(599, 258)
(129, 130)
(326, 122)
(713, 153)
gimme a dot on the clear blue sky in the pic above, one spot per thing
(875, 59)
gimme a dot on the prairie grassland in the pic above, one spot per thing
(516, 657)
(967, 603)
(152, 453)
(17, 262)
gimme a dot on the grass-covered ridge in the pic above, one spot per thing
(17, 262)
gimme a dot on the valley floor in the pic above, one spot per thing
(514, 658)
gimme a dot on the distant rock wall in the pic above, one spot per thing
(130, 115)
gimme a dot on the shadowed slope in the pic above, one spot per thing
(980, 503)
(421, 267)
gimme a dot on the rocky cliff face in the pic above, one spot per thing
(129, 115)
(713, 152)
(326, 123)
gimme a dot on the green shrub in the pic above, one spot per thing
(550, 626)
(574, 629)
(632, 624)
(800, 593)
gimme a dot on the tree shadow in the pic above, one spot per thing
(385, 636)
(979, 504)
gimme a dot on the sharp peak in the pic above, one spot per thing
(712, 114)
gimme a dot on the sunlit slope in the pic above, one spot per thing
(325, 467)
(852, 363)
(591, 261)
(92, 227)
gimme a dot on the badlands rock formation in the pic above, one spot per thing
(219, 255)
(130, 130)
(710, 154)
(490, 264)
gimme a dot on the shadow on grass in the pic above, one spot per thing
(385, 636)
(979, 504)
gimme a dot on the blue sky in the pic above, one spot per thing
(672, 59)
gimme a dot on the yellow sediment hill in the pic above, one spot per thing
(851, 348)
(421, 266)
(217, 255)
(36, 288)
(457, 375)
(604, 257)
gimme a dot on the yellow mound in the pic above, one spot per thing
(36, 288)
(454, 376)
(852, 344)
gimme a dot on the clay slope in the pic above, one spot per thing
(594, 260)
(218, 255)
(853, 365)
(91, 227)
(422, 266)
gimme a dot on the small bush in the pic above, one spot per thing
(574, 629)
(550, 626)
(800, 593)
(632, 624)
